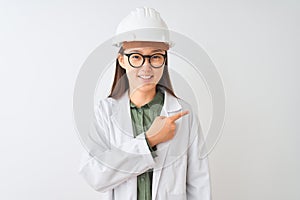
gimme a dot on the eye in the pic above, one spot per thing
(157, 56)
(135, 57)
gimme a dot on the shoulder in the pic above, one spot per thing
(108, 101)
(105, 105)
(185, 105)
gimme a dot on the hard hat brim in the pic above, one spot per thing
(145, 34)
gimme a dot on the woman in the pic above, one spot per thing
(144, 141)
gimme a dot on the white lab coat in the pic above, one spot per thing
(116, 158)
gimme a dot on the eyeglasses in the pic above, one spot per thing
(137, 60)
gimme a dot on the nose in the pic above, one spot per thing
(146, 65)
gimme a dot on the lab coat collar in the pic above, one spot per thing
(122, 116)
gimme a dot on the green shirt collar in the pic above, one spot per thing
(158, 99)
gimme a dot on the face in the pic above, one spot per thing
(145, 77)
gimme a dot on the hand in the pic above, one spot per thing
(163, 128)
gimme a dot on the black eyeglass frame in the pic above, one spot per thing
(144, 58)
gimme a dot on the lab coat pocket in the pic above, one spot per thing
(177, 168)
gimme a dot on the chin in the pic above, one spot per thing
(147, 87)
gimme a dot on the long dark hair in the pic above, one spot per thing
(121, 84)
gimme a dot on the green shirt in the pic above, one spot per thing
(142, 119)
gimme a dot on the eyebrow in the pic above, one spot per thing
(153, 51)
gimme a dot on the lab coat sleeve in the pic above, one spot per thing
(105, 166)
(198, 178)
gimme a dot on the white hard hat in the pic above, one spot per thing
(142, 24)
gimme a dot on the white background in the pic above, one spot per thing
(254, 44)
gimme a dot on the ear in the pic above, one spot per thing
(121, 60)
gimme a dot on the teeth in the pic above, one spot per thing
(145, 77)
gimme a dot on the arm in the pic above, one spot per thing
(198, 179)
(105, 166)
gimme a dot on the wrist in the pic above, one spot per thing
(151, 139)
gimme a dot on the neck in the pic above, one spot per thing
(140, 98)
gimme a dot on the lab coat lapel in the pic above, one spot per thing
(170, 106)
(122, 118)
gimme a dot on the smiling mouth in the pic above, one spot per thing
(146, 77)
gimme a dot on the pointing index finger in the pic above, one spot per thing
(178, 115)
